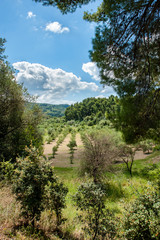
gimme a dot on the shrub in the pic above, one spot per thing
(142, 219)
(55, 193)
(30, 178)
(100, 151)
(6, 170)
(97, 220)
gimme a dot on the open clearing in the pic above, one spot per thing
(62, 157)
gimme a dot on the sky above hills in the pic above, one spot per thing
(49, 51)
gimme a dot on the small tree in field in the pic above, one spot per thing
(96, 219)
(100, 151)
(127, 154)
(72, 144)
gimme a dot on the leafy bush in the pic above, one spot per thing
(55, 193)
(142, 219)
(30, 178)
(6, 170)
(97, 220)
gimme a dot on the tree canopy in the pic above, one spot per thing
(93, 107)
(18, 123)
(65, 5)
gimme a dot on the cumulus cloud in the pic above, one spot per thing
(56, 27)
(92, 69)
(50, 84)
(30, 15)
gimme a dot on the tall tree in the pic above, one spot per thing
(18, 126)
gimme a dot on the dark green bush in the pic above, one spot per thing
(34, 178)
(142, 219)
(55, 193)
(98, 222)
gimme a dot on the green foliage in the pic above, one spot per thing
(55, 193)
(6, 170)
(126, 49)
(97, 221)
(142, 219)
(19, 124)
(92, 110)
(54, 150)
(63, 5)
(30, 178)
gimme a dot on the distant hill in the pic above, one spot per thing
(53, 110)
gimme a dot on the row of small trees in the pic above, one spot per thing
(59, 141)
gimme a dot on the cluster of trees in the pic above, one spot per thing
(93, 107)
(18, 122)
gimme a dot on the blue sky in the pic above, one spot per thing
(50, 51)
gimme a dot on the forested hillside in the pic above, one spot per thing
(93, 108)
(53, 110)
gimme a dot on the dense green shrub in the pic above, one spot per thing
(97, 221)
(32, 179)
(6, 170)
(142, 219)
(54, 195)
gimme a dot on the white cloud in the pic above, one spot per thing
(108, 90)
(50, 84)
(30, 15)
(56, 27)
(92, 69)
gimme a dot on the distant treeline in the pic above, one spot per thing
(53, 110)
(95, 107)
